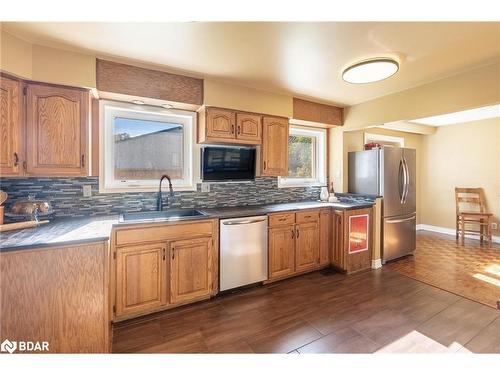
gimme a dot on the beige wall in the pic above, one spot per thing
(247, 99)
(464, 155)
(354, 141)
(472, 89)
(15, 55)
(46, 64)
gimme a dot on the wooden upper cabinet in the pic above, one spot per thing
(11, 150)
(140, 278)
(249, 128)
(306, 246)
(281, 251)
(274, 161)
(325, 240)
(57, 124)
(220, 123)
(190, 269)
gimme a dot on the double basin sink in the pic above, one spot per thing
(168, 215)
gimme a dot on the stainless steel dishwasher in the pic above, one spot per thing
(243, 251)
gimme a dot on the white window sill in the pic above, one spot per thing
(293, 184)
(143, 189)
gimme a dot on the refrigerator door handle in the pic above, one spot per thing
(405, 180)
(401, 184)
(397, 221)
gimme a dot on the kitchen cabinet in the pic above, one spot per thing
(218, 125)
(274, 158)
(352, 246)
(281, 251)
(306, 246)
(325, 241)
(57, 127)
(11, 134)
(140, 278)
(163, 265)
(57, 294)
(249, 128)
(293, 243)
(190, 269)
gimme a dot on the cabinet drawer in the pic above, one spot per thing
(281, 219)
(139, 234)
(307, 216)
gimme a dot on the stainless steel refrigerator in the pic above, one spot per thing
(389, 172)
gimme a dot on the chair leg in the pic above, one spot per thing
(456, 225)
(490, 234)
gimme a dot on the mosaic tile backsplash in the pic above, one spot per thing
(67, 198)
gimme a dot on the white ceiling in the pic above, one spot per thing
(304, 59)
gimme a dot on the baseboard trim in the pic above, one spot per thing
(451, 232)
(376, 263)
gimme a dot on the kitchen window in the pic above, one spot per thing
(142, 143)
(306, 158)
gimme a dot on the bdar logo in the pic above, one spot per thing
(8, 346)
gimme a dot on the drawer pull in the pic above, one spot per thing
(282, 219)
(16, 159)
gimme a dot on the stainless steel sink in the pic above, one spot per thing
(168, 215)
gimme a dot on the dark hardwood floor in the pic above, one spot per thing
(321, 312)
(471, 271)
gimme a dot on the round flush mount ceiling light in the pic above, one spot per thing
(371, 70)
(138, 102)
(167, 106)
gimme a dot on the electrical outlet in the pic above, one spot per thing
(87, 191)
(205, 188)
(494, 226)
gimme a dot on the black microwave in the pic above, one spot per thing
(226, 163)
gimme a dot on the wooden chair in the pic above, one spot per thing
(473, 214)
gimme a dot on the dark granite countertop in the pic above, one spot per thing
(72, 231)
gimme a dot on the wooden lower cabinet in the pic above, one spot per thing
(293, 243)
(306, 246)
(353, 239)
(175, 264)
(325, 240)
(140, 278)
(58, 295)
(281, 251)
(190, 269)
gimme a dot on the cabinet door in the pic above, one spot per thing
(140, 278)
(325, 232)
(357, 239)
(57, 129)
(249, 128)
(338, 256)
(274, 146)
(190, 269)
(10, 127)
(220, 123)
(281, 251)
(306, 246)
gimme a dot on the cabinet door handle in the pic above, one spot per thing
(264, 165)
(232, 129)
(293, 233)
(164, 251)
(173, 252)
(16, 159)
(298, 233)
(83, 160)
(239, 129)
(25, 165)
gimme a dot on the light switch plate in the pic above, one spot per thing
(87, 191)
(494, 226)
(205, 188)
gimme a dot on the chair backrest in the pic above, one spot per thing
(472, 198)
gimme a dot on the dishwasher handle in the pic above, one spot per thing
(243, 222)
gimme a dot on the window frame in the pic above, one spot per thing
(320, 159)
(109, 110)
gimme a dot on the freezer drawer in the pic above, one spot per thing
(399, 236)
